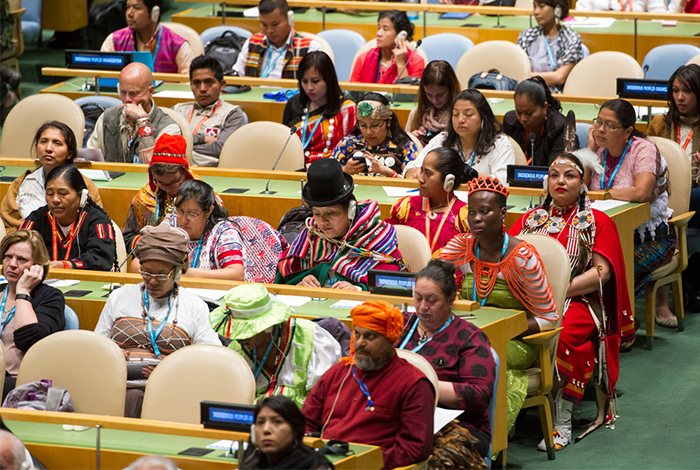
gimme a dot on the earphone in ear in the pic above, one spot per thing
(83, 198)
(155, 14)
(290, 18)
(557, 12)
(352, 210)
(545, 185)
(449, 183)
(252, 434)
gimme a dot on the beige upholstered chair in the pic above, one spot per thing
(371, 44)
(184, 128)
(679, 184)
(414, 247)
(257, 145)
(416, 141)
(511, 60)
(121, 247)
(189, 35)
(520, 158)
(409, 127)
(422, 364)
(90, 366)
(540, 379)
(325, 46)
(193, 374)
(597, 74)
(29, 114)
(694, 60)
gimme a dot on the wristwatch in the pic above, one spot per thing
(26, 297)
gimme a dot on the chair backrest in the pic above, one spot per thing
(492, 406)
(121, 247)
(416, 141)
(597, 74)
(325, 46)
(582, 133)
(257, 145)
(556, 265)
(90, 366)
(31, 20)
(414, 247)
(585, 52)
(679, 174)
(520, 158)
(345, 44)
(215, 32)
(193, 374)
(422, 364)
(29, 114)
(184, 128)
(189, 35)
(523, 4)
(2, 231)
(511, 60)
(446, 46)
(372, 43)
(694, 60)
(409, 126)
(102, 100)
(72, 320)
(662, 61)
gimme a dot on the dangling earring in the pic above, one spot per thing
(503, 227)
(583, 189)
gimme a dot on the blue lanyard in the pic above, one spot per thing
(617, 168)
(304, 142)
(155, 51)
(154, 334)
(477, 252)
(272, 61)
(550, 54)
(258, 367)
(365, 390)
(413, 329)
(197, 252)
(461, 154)
(2, 310)
(157, 207)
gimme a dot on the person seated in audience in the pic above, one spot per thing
(171, 52)
(593, 245)
(30, 309)
(343, 240)
(537, 120)
(55, 145)
(321, 114)
(377, 145)
(156, 201)
(632, 169)
(277, 50)
(217, 247)
(553, 48)
(652, 6)
(287, 355)
(279, 438)
(211, 119)
(475, 133)
(438, 87)
(78, 231)
(178, 317)
(153, 462)
(436, 211)
(461, 355)
(392, 59)
(387, 402)
(502, 271)
(127, 134)
(13, 454)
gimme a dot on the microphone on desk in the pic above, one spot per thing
(405, 66)
(498, 16)
(119, 268)
(292, 131)
(532, 148)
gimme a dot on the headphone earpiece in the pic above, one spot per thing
(83, 198)
(252, 435)
(545, 185)
(557, 12)
(155, 14)
(449, 183)
(290, 18)
(352, 210)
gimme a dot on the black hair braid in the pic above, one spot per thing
(93, 205)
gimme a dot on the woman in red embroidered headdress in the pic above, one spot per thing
(593, 245)
(498, 270)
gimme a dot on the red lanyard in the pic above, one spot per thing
(71, 234)
(442, 222)
(622, 5)
(189, 118)
(687, 139)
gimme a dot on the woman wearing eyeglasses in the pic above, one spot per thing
(377, 145)
(632, 169)
(156, 317)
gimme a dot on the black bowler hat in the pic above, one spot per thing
(328, 183)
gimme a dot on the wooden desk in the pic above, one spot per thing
(123, 440)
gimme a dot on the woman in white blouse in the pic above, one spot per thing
(652, 6)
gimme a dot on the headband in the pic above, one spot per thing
(374, 109)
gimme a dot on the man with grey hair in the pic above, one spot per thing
(13, 454)
(153, 462)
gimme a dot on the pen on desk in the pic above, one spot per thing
(413, 190)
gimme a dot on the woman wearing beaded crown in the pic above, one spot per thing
(597, 274)
(498, 270)
(320, 112)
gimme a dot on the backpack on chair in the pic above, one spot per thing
(225, 49)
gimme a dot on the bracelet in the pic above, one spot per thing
(67, 264)
(26, 297)
(394, 174)
(142, 120)
(145, 130)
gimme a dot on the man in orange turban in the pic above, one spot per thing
(375, 397)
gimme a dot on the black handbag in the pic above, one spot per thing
(492, 80)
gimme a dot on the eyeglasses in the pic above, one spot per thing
(598, 123)
(157, 276)
(171, 184)
(189, 214)
(372, 127)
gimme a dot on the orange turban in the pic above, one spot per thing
(379, 316)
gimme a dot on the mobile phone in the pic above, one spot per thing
(360, 157)
(400, 37)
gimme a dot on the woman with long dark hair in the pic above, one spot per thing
(321, 114)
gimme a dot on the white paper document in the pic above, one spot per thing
(393, 191)
(444, 416)
(185, 95)
(61, 282)
(208, 294)
(346, 304)
(97, 175)
(580, 22)
(293, 300)
(606, 204)
(225, 444)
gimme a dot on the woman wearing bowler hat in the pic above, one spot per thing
(343, 240)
